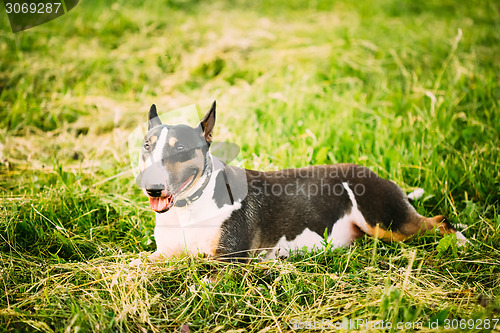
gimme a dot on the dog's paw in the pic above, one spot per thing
(143, 259)
(135, 263)
(140, 260)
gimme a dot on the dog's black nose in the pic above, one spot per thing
(154, 193)
(155, 190)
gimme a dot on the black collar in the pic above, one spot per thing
(196, 195)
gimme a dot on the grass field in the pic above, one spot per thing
(409, 89)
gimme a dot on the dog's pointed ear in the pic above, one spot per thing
(153, 119)
(207, 124)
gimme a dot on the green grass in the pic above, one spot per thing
(409, 89)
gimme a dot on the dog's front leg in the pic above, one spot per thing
(168, 244)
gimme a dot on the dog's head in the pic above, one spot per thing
(174, 159)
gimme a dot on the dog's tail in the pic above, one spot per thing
(417, 194)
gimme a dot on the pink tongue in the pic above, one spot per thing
(159, 204)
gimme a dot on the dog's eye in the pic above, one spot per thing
(181, 147)
(146, 146)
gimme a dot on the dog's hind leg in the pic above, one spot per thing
(438, 223)
(417, 225)
(386, 213)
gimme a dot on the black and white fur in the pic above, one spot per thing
(205, 206)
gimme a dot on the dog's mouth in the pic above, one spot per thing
(163, 203)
